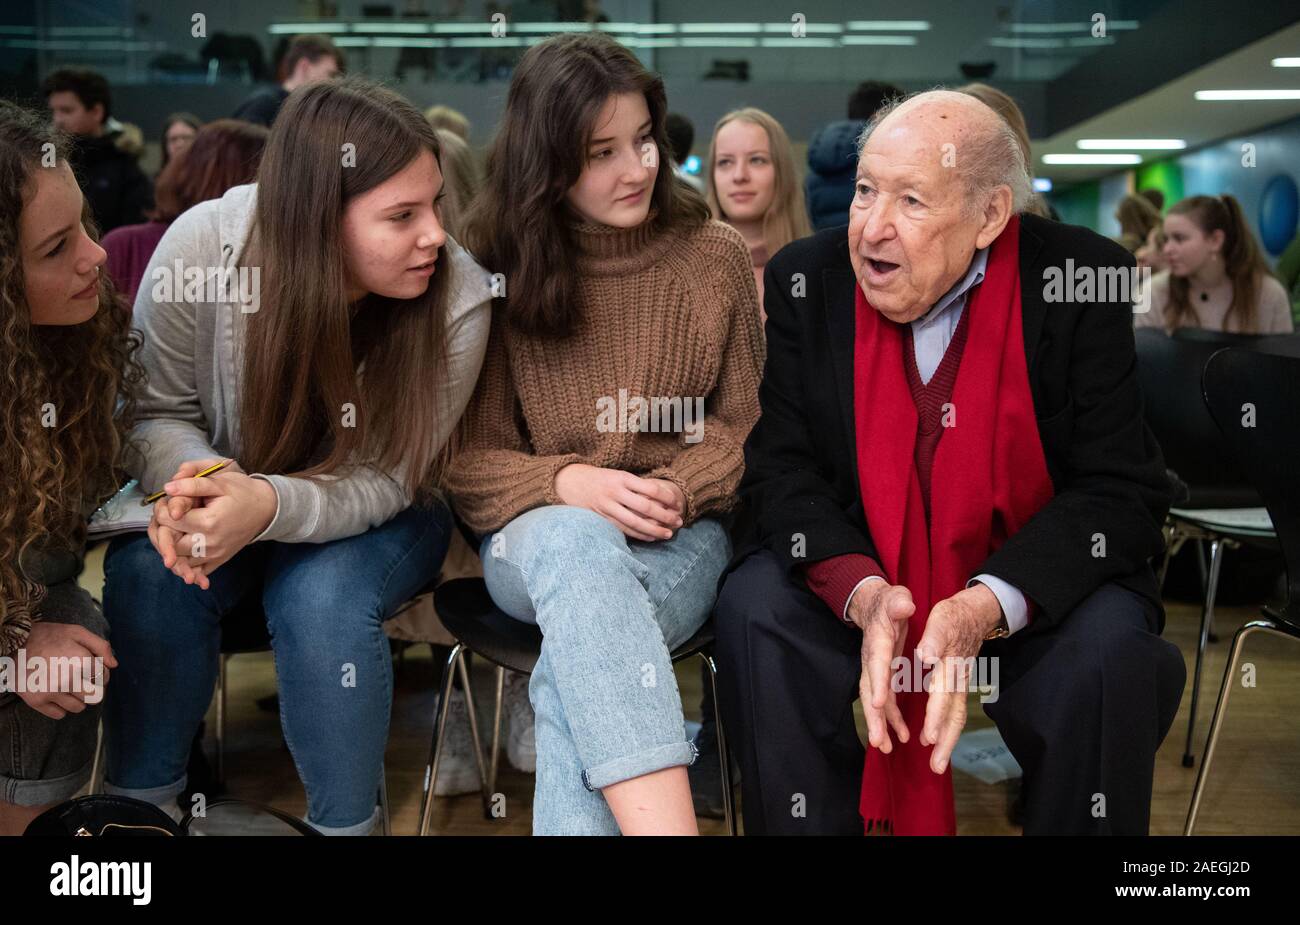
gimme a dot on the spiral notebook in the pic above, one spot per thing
(121, 513)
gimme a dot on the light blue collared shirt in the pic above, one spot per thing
(931, 335)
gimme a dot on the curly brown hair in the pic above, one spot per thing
(86, 372)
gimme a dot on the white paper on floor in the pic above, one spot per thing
(982, 754)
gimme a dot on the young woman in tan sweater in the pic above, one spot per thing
(603, 445)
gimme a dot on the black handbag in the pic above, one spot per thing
(110, 816)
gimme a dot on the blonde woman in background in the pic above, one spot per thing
(1137, 218)
(753, 186)
(451, 119)
(1010, 112)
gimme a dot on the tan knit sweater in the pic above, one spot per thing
(665, 317)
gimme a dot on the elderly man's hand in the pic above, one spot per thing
(954, 632)
(881, 611)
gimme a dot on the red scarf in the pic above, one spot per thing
(989, 478)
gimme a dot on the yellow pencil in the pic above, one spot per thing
(198, 475)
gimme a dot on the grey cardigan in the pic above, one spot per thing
(189, 407)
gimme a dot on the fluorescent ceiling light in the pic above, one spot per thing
(889, 25)
(786, 27)
(806, 42)
(294, 28)
(720, 27)
(1131, 144)
(1219, 95)
(1286, 62)
(1080, 160)
(1042, 184)
(718, 42)
(877, 40)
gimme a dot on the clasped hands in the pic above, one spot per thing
(644, 509)
(954, 632)
(203, 523)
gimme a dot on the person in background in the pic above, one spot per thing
(453, 120)
(833, 156)
(1137, 218)
(753, 186)
(681, 138)
(104, 153)
(1151, 253)
(225, 153)
(462, 178)
(179, 130)
(308, 59)
(1009, 110)
(68, 347)
(1217, 278)
(1153, 196)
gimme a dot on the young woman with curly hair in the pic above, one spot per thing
(66, 371)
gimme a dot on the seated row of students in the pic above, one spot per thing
(373, 364)
(345, 393)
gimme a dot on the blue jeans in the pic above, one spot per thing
(325, 605)
(610, 609)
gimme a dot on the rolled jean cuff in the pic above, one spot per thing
(646, 762)
(163, 797)
(361, 828)
(48, 790)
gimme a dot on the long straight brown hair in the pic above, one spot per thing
(1242, 262)
(305, 348)
(519, 224)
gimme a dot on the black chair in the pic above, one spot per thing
(1222, 508)
(480, 627)
(1265, 449)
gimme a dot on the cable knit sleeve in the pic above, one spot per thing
(709, 472)
(495, 476)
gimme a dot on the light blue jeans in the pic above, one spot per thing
(610, 609)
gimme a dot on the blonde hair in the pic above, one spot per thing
(786, 218)
(461, 179)
(445, 117)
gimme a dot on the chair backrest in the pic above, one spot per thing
(1253, 397)
(1169, 371)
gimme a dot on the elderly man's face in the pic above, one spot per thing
(911, 233)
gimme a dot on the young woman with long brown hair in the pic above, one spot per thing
(600, 517)
(1217, 278)
(753, 185)
(66, 378)
(335, 386)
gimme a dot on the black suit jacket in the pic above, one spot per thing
(801, 473)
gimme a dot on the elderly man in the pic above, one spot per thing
(951, 471)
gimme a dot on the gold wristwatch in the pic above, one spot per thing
(1001, 631)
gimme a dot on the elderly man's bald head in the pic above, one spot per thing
(939, 176)
(981, 141)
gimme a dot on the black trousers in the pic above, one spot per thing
(1083, 708)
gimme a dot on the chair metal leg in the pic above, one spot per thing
(383, 801)
(1207, 614)
(1229, 681)
(97, 769)
(724, 754)
(439, 728)
(463, 668)
(221, 722)
(1175, 538)
(494, 759)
